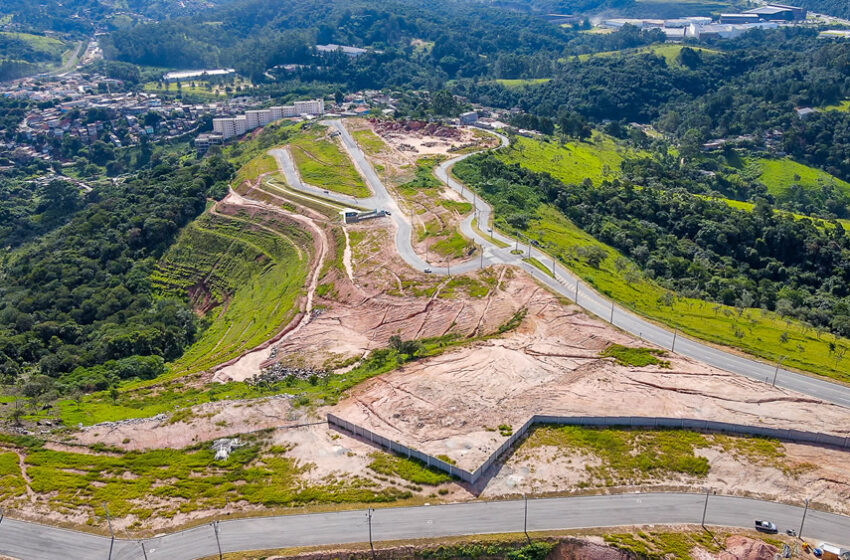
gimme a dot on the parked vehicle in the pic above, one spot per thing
(766, 526)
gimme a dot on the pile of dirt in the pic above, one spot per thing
(437, 130)
(578, 549)
(745, 548)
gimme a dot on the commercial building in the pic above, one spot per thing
(727, 31)
(468, 118)
(236, 126)
(349, 51)
(779, 12)
(739, 18)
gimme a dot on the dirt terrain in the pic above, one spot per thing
(435, 211)
(453, 403)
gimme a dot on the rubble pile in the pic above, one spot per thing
(280, 372)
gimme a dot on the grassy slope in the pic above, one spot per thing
(571, 163)
(369, 142)
(257, 273)
(49, 45)
(667, 51)
(322, 163)
(780, 174)
(842, 106)
(754, 330)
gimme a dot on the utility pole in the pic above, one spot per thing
(482, 255)
(705, 508)
(612, 313)
(525, 520)
(776, 372)
(144, 552)
(576, 298)
(371, 544)
(111, 533)
(673, 346)
(800, 532)
(217, 541)
(553, 268)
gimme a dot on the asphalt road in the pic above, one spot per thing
(565, 282)
(28, 541)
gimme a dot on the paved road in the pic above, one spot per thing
(28, 541)
(565, 282)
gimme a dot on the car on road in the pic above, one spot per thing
(427, 271)
(766, 526)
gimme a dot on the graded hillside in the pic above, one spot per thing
(244, 270)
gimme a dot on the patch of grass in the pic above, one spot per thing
(472, 287)
(842, 106)
(637, 357)
(518, 83)
(162, 483)
(461, 208)
(369, 142)
(571, 162)
(453, 245)
(423, 177)
(12, 483)
(505, 430)
(658, 545)
(539, 266)
(249, 172)
(780, 174)
(411, 470)
(323, 164)
(627, 456)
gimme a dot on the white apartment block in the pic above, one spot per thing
(239, 125)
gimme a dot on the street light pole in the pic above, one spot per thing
(612, 313)
(111, 533)
(800, 532)
(144, 552)
(776, 372)
(525, 519)
(673, 346)
(705, 508)
(217, 541)
(371, 544)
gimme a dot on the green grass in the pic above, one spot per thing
(461, 208)
(453, 245)
(12, 483)
(369, 142)
(249, 172)
(472, 287)
(539, 266)
(572, 162)
(637, 357)
(163, 483)
(47, 45)
(411, 470)
(669, 52)
(659, 545)
(759, 332)
(637, 456)
(842, 106)
(322, 163)
(518, 83)
(253, 271)
(780, 174)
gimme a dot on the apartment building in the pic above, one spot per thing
(239, 125)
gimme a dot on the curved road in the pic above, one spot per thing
(28, 541)
(565, 282)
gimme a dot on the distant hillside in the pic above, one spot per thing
(838, 8)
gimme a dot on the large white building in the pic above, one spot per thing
(239, 125)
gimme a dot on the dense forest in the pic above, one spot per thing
(696, 247)
(80, 296)
(751, 85)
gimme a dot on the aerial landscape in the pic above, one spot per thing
(514, 279)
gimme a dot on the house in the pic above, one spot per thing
(469, 117)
